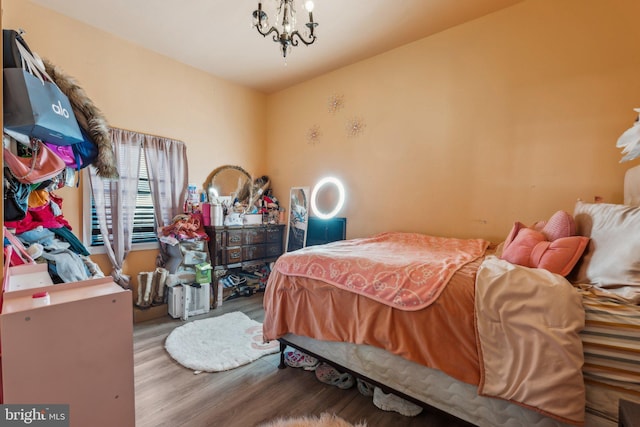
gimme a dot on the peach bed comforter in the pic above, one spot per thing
(510, 330)
(403, 270)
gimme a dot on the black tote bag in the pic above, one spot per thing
(11, 57)
(16, 197)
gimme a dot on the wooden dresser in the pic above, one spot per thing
(240, 246)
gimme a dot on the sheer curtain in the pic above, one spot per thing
(115, 200)
(168, 179)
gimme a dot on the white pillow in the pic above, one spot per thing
(632, 186)
(612, 259)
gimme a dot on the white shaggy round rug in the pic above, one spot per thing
(218, 343)
(324, 420)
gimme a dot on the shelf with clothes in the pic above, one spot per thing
(49, 238)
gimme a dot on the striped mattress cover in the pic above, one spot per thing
(611, 343)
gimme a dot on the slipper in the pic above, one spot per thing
(329, 375)
(364, 388)
(298, 359)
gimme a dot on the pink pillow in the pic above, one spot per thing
(517, 226)
(551, 245)
(561, 224)
(530, 248)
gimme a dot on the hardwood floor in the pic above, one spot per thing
(167, 394)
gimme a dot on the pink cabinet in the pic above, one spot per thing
(76, 350)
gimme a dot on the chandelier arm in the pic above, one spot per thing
(295, 42)
(276, 36)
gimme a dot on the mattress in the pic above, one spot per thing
(430, 386)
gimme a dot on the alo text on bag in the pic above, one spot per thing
(60, 110)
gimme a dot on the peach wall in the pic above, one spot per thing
(221, 123)
(510, 117)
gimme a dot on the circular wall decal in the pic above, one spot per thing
(355, 127)
(313, 135)
(335, 103)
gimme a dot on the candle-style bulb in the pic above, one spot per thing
(309, 6)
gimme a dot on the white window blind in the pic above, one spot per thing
(144, 229)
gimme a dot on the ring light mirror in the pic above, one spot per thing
(323, 183)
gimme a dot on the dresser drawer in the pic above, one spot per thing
(234, 237)
(251, 252)
(273, 250)
(232, 255)
(274, 234)
(254, 236)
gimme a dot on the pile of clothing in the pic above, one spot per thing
(48, 238)
(184, 243)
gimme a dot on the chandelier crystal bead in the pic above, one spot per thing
(285, 32)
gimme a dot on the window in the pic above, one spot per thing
(144, 228)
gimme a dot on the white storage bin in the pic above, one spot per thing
(185, 300)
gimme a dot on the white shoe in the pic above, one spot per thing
(298, 359)
(391, 402)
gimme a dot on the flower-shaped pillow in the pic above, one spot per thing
(549, 245)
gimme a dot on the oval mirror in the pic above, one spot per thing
(228, 180)
(327, 198)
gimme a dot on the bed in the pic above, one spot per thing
(488, 338)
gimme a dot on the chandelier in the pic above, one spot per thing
(284, 31)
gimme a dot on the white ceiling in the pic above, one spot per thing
(216, 35)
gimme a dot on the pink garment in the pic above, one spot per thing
(40, 216)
